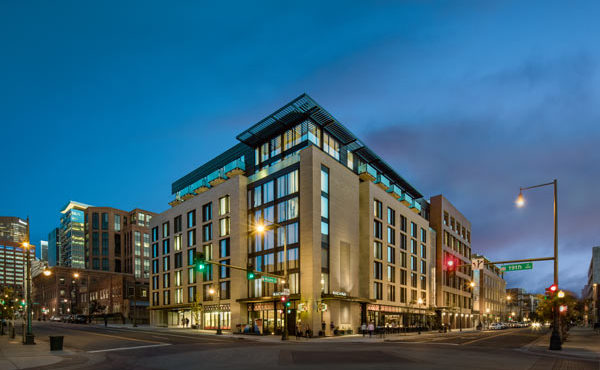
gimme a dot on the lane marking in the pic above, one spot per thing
(124, 338)
(158, 336)
(487, 337)
(128, 348)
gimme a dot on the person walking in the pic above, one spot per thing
(371, 329)
(363, 328)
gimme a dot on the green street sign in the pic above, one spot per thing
(518, 266)
(268, 279)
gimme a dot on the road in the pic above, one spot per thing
(99, 348)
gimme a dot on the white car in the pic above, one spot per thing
(496, 326)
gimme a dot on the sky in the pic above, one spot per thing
(108, 103)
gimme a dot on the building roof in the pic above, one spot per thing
(74, 204)
(304, 107)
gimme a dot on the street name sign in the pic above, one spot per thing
(269, 279)
(518, 266)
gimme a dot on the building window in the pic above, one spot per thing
(165, 230)
(191, 219)
(377, 250)
(391, 274)
(154, 250)
(224, 248)
(377, 230)
(166, 247)
(191, 237)
(155, 233)
(166, 263)
(95, 220)
(178, 260)
(377, 270)
(224, 226)
(378, 290)
(402, 223)
(324, 206)
(191, 275)
(413, 229)
(275, 146)
(177, 224)
(423, 251)
(287, 184)
(324, 180)
(191, 253)
(350, 162)
(104, 243)
(95, 243)
(391, 236)
(377, 209)
(117, 222)
(287, 210)
(413, 263)
(391, 293)
(207, 232)
(413, 246)
(391, 255)
(224, 205)
(166, 298)
(105, 264)
(391, 216)
(137, 243)
(207, 212)
(331, 146)
(178, 278)
(104, 221)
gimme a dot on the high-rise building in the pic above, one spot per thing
(105, 238)
(489, 293)
(13, 229)
(54, 247)
(72, 238)
(453, 263)
(359, 246)
(44, 250)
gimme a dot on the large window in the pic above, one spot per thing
(377, 209)
(191, 218)
(105, 244)
(104, 221)
(137, 243)
(207, 212)
(331, 146)
(224, 205)
(287, 210)
(207, 232)
(117, 222)
(287, 184)
(224, 226)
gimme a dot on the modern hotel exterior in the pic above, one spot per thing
(359, 246)
(453, 243)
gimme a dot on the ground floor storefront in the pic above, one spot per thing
(208, 317)
(399, 317)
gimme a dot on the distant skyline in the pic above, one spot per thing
(109, 103)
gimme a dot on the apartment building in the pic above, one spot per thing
(105, 238)
(453, 263)
(489, 293)
(359, 247)
(13, 229)
(13, 256)
(591, 291)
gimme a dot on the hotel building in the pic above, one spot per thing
(359, 246)
(489, 293)
(453, 243)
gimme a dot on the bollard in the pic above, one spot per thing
(56, 342)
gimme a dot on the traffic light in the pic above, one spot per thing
(553, 288)
(284, 301)
(562, 309)
(200, 260)
(250, 273)
(450, 264)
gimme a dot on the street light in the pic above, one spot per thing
(47, 272)
(261, 228)
(212, 291)
(555, 341)
(561, 294)
(29, 337)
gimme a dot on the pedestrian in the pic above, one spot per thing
(323, 327)
(363, 328)
(187, 322)
(371, 329)
(183, 321)
(105, 320)
(332, 327)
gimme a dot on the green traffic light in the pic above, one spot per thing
(250, 275)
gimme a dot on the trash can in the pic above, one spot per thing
(56, 342)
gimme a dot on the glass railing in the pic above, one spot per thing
(382, 180)
(293, 158)
(406, 198)
(416, 205)
(218, 174)
(366, 168)
(238, 164)
(395, 190)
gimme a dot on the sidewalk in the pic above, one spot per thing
(581, 343)
(15, 355)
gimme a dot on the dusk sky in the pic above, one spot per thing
(108, 103)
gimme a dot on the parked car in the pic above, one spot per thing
(55, 318)
(496, 326)
(79, 319)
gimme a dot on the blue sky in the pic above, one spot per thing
(108, 103)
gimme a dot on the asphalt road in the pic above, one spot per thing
(93, 347)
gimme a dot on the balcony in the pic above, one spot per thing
(366, 172)
(200, 186)
(187, 196)
(175, 202)
(395, 191)
(293, 158)
(216, 178)
(406, 199)
(382, 182)
(415, 206)
(235, 168)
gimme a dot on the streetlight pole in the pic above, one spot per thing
(218, 292)
(555, 341)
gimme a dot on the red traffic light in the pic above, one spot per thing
(450, 264)
(553, 288)
(283, 298)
